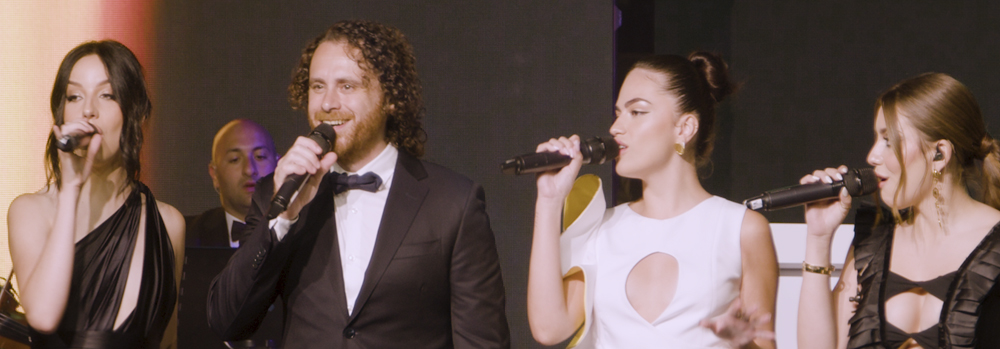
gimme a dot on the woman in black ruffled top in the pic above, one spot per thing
(921, 274)
(97, 258)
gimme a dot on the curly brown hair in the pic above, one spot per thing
(386, 54)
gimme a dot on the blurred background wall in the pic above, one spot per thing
(499, 78)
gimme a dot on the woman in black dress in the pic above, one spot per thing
(97, 258)
(922, 274)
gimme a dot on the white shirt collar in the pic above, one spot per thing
(229, 229)
(384, 165)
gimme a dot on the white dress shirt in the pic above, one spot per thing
(358, 216)
(229, 229)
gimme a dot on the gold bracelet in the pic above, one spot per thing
(817, 269)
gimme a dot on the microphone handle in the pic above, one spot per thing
(536, 162)
(284, 194)
(66, 143)
(806, 193)
(69, 142)
(324, 136)
(593, 150)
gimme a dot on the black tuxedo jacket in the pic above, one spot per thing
(433, 281)
(207, 229)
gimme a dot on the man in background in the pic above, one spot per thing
(242, 153)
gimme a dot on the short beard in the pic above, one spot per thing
(368, 131)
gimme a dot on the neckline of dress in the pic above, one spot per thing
(628, 207)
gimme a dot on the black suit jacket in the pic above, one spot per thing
(433, 281)
(207, 229)
(208, 249)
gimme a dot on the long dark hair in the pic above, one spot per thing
(129, 86)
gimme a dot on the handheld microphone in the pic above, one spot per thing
(325, 136)
(68, 142)
(594, 150)
(858, 182)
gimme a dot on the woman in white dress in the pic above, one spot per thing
(677, 268)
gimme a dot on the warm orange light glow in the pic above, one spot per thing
(34, 37)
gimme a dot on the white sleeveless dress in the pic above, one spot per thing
(705, 241)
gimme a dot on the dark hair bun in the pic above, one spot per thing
(714, 70)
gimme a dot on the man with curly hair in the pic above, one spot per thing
(408, 260)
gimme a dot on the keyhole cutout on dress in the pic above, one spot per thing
(651, 285)
(903, 310)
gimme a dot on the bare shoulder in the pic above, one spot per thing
(29, 202)
(173, 219)
(757, 246)
(30, 218)
(979, 222)
(26, 207)
(989, 215)
(755, 227)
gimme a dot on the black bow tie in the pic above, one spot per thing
(239, 229)
(368, 182)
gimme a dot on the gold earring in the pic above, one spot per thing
(938, 201)
(679, 148)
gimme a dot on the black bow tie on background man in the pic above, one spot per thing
(238, 230)
(368, 182)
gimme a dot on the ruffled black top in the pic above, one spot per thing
(971, 310)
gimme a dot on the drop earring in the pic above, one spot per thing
(679, 148)
(938, 201)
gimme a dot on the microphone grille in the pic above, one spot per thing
(326, 130)
(602, 149)
(861, 181)
(327, 136)
(611, 149)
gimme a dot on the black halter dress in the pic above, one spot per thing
(100, 270)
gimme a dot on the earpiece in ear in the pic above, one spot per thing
(937, 155)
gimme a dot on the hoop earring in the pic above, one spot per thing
(679, 148)
(938, 201)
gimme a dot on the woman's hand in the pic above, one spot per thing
(739, 327)
(823, 217)
(75, 166)
(555, 306)
(556, 184)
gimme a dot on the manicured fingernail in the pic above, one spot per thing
(827, 179)
(839, 177)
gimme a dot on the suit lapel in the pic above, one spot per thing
(316, 258)
(329, 237)
(405, 196)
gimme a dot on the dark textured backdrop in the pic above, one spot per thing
(811, 72)
(498, 78)
(501, 77)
